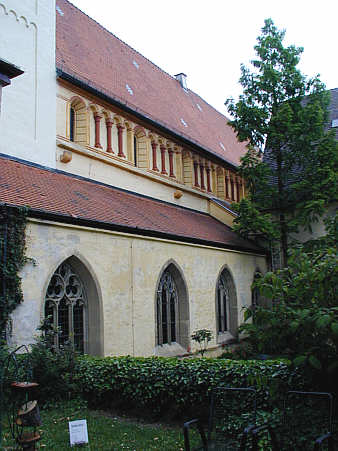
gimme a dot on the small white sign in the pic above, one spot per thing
(78, 432)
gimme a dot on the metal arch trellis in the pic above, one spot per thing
(66, 301)
(167, 310)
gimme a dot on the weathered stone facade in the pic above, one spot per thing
(78, 143)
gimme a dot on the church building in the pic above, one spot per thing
(128, 177)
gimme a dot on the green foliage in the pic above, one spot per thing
(52, 367)
(303, 320)
(202, 337)
(169, 384)
(243, 351)
(12, 260)
(285, 113)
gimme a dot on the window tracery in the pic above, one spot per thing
(223, 304)
(226, 307)
(167, 310)
(65, 303)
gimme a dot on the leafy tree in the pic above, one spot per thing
(303, 320)
(285, 113)
(202, 337)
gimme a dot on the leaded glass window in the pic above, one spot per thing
(167, 310)
(66, 304)
(223, 305)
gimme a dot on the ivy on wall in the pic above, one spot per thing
(12, 259)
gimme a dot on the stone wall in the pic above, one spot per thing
(125, 270)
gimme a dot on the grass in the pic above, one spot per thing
(105, 432)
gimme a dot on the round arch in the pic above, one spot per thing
(78, 121)
(91, 324)
(172, 315)
(141, 151)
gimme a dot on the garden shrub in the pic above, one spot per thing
(160, 384)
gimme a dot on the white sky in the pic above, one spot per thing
(209, 39)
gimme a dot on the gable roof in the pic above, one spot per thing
(89, 53)
(63, 197)
(295, 173)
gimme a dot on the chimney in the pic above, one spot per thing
(182, 79)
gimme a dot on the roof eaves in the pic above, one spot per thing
(221, 204)
(57, 217)
(61, 73)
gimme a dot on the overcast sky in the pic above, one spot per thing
(209, 39)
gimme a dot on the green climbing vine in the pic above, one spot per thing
(12, 259)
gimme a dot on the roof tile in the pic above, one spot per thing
(91, 54)
(55, 192)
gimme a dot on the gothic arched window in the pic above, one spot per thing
(222, 306)
(65, 303)
(226, 306)
(167, 310)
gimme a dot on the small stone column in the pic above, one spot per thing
(120, 129)
(163, 170)
(208, 179)
(202, 175)
(154, 152)
(171, 163)
(196, 174)
(227, 194)
(109, 124)
(232, 187)
(97, 119)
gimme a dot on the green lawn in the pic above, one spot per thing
(105, 432)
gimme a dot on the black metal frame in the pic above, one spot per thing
(20, 396)
(327, 435)
(250, 431)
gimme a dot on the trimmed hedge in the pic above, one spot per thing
(158, 384)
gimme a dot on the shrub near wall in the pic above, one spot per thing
(162, 384)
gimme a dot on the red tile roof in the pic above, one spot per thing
(91, 54)
(76, 199)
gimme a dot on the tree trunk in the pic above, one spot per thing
(282, 219)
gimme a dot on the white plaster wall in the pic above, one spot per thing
(27, 120)
(126, 270)
(318, 228)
